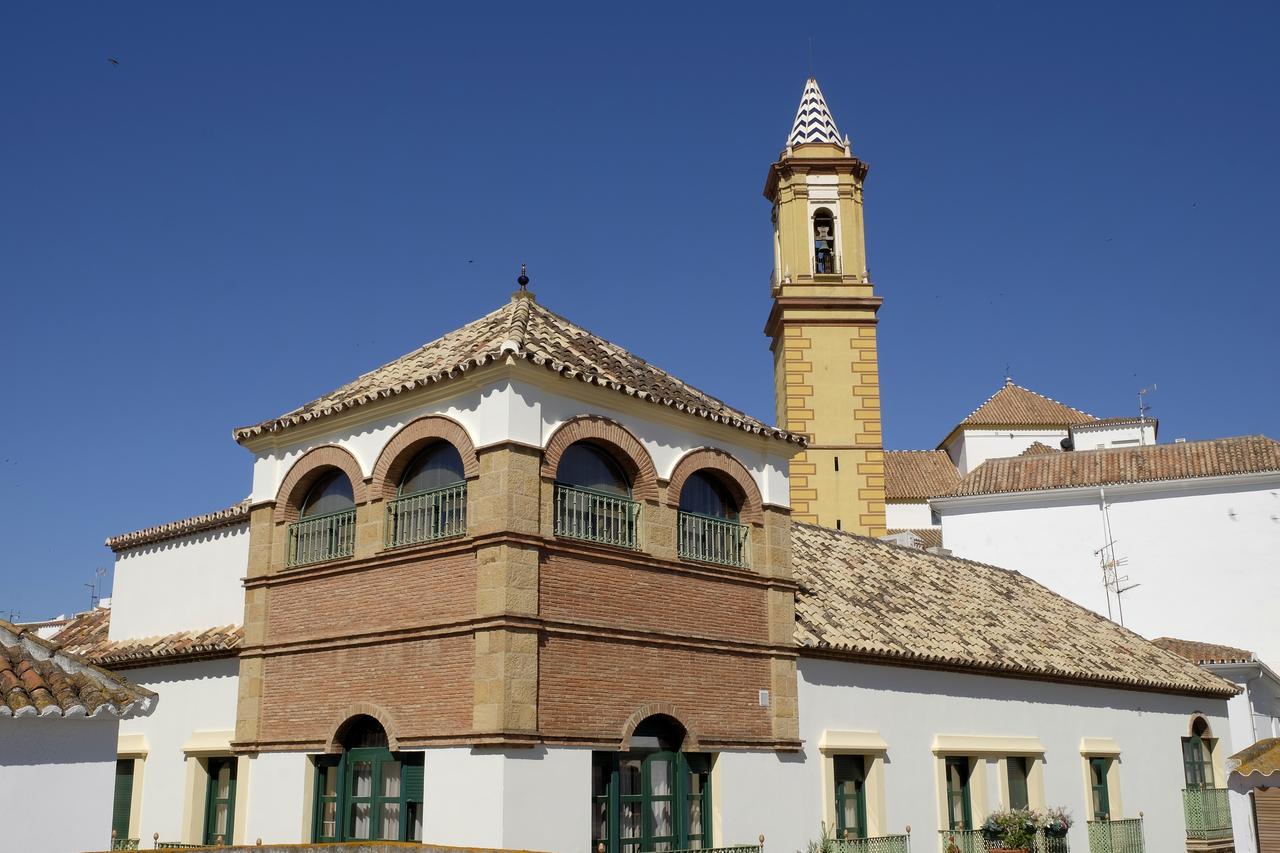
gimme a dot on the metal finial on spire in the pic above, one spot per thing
(523, 280)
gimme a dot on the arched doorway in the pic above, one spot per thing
(653, 797)
(368, 792)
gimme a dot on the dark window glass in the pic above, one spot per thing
(706, 495)
(587, 467)
(331, 493)
(851, 796)
(1018, 769)
(439, 465)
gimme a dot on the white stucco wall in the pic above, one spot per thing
(901, 515)
(1206, 552)
(279, 798)
(1096, 436)
(517, 409)
(971, 447)
(180, 584)
(57, 784)
(1254, 715)
(197, 697)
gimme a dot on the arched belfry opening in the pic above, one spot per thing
(825, 256)
(653, 795)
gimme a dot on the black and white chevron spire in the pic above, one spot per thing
(813, 120)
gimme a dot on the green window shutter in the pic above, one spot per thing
(123, 802)
(411, 776)
(1018, 772)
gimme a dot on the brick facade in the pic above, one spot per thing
(508, 635)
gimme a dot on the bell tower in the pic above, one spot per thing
(823, 325)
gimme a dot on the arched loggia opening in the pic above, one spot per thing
(654, 796)
(326, 525)
(708, 522)
(593, 497)
(367, 792)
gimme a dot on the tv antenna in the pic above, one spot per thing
(1143, 408)
(1113, 582)
(95, 591)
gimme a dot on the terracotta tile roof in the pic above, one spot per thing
(525, 330)
(1038, 448)
(38, 679)
(1123, 421)
(911, 475)
(930, 537)
(1262, 758)
(1014, 405)
(232, 515)
(86, 636)
(1203, 653)
(869, 600)
(1153, 462)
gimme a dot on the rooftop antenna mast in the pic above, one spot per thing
(95, 594)
(1113, 582)
(1143, 408)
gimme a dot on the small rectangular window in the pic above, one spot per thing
(123, 805)
(837, 458)
(851, 796)
(959, 810)
(1018, 772)
(1101, 796)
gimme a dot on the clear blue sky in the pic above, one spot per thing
(263, 200)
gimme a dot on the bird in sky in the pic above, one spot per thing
(113, 60)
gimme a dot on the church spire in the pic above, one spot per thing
(814, 122)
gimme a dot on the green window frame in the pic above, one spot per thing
(368, 794)
(959, 805)
(645, 801)
(220, 801)
(1018, 770)
(851, 795)
(122, 804)
(1099, 791)
(1197, 764)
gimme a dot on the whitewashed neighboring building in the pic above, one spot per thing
(59, 718)
(1253, 773)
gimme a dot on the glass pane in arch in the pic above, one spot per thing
(704, 494)
(436, 466)
(331, 493)
(587, 467)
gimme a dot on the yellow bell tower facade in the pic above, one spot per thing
(823, 325)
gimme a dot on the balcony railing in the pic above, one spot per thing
(881, 844)
(1208, 813)
(427, 516)
(971, 841)
(595, 516)
(125, 843)
(740, 848)
(1116, 836)
(712, 540)
(322, 537)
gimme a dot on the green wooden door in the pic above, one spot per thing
(220, 802)
(122, 805)
(650, 801)
(959, 809)
(851, 796)
(1098, 768)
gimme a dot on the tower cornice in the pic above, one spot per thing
(789, 165)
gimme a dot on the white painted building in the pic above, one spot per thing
(58, 734)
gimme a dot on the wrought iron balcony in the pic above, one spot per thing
(1208, 813)
(972, 841)
(322, 537)
(1116, 836)
(880, 844)
(427, 516)
(595, 516)
(711, 540)
(125, 843)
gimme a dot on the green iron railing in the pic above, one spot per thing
(322, 537)
(972, 841)
(177, 845)
(595, 516)
(125, 843)
(712, 540)
(880, 844)
(1116, 836)
(740, 848)
(427, 516)
(1208, 813)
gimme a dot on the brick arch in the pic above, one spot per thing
(307, 470)
(627, 450)
(666, 709)
(412, 438)
(366, 709)
(730, 471)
